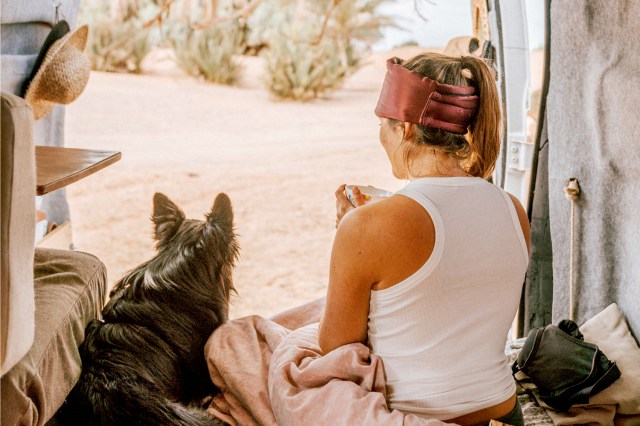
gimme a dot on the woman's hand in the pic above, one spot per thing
(343, 205)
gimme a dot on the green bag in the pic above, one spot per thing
(566, 369)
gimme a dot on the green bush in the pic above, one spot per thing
(302, 72)
(209, 52)
(117, 40)
(303, 62)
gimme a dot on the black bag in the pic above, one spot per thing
(565, 368)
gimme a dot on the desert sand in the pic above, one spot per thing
(280, 162)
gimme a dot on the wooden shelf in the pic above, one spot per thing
(57, 167)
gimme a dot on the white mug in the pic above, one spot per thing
(374, 194)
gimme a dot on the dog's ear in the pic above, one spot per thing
(221, 213)
(167, 217)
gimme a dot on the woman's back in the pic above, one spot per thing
(441, 331)
(434, 289)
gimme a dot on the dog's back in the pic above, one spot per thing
(144, 363)
(128, 373)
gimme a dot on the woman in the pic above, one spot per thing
(430, 278)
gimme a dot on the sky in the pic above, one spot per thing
(446, 19)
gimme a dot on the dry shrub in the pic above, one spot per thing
(209, 52)
(301, 72)
(303, 59)
(117, 40)
(306, 54)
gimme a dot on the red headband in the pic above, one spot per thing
(414, 98)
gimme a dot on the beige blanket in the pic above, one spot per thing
(270, 375)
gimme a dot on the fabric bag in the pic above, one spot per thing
(565, 368)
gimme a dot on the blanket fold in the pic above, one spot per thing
(269, 375)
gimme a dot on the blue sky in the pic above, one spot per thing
(446, 19)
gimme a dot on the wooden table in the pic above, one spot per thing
(57, 167)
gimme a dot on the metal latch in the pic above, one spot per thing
(520, 155)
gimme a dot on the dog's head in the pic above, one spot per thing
(196, 250)
(193, 266)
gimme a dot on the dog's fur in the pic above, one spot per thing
(144, 363)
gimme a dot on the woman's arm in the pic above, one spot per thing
(351, 276)
(376, 246)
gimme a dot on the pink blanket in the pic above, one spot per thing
(269, 375)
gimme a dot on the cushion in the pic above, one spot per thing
(584, 415)
(610, 332)
(17, 231)
(70, 290)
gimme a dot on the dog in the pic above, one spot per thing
(144, 363)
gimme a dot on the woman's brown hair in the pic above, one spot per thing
(479, 149)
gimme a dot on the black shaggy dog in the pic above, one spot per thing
(144, 363)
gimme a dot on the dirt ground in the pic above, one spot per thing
(280, 163)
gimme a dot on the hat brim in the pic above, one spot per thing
(76, 39)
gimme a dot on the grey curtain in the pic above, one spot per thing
(593, 117)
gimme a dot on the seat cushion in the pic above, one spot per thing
(70, 290)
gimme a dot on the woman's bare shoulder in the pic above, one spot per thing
(396, 236)
(388, 215)
(384, 216)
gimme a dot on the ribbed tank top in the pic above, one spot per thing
(441, 332)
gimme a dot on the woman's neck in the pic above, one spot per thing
(435, 164)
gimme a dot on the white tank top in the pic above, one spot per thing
(441, 332)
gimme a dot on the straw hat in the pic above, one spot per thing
(62, 75)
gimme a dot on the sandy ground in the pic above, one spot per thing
(280, 162)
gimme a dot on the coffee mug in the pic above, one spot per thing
(371, 194)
